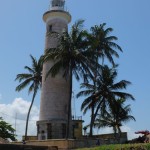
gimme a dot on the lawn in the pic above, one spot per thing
(121, 147)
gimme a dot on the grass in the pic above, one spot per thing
(120, 147)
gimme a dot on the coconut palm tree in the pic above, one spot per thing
(32, 79)
(115, 117)
(103, 45)
(104, 94)
(71, 56)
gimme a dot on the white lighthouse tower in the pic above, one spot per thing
(55, 91)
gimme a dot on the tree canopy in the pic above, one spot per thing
(115, 117)
(81, 54)
(6, 130)
(33, 79)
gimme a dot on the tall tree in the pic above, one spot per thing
(114, 117)
(6, 130)
(103, 43)
(103, 46)
(70, 56)
(107, 90)
(33, 79)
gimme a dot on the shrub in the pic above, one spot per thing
(121, 147)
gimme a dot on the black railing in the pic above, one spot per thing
(76, 117)
(58, 3)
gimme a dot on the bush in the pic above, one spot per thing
(121, 147)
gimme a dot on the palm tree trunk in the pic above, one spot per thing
(115, 132)
(92, 109)
(69, 107)
(93, 116)
(119, 133)
(26, 129)
(92, 122)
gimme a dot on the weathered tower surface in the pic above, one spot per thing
(55, 90)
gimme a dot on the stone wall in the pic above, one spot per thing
(64, 144)
(25, 147)
(3, 141)
(109, 138)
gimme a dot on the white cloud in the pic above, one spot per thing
(16, 113)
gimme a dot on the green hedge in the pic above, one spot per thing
(121, 147)
(21, 147)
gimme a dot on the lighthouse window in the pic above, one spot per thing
(50, 28)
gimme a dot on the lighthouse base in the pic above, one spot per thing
(52, 129)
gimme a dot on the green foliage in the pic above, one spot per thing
(121, 147)
(71, 55)
(103, 47)
(114, 117)
(102, 96)
(33, 79)
(82, 54)
(6, 130)
(103, 43)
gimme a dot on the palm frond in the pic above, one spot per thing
(124, 95)
(78, 25)
(121, 85)
(29, 69)
(54, 69)
(23, 85)
(84, 93)
(23, 76)
(87, 103)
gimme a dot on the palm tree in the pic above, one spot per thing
(114, 117)
(104, 94)
(103, 46)
(33, 79)
(72, 57)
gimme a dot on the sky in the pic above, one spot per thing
(22, 32)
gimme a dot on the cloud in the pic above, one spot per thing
(16, 113)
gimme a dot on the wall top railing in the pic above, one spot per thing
(76, 117)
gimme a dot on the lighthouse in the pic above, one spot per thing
(55, 90)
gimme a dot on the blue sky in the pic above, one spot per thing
(22, 33)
